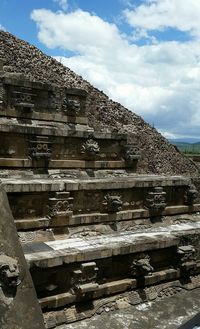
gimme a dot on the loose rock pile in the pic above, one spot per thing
(159, 156)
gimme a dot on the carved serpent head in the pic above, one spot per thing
(9, 271)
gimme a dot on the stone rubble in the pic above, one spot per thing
(158, 155)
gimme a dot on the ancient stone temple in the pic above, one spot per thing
(93, 230)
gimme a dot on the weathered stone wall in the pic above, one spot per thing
(19, 308)
(159, 156)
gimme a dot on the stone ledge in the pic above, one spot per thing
(56, 253)
(53, 164)
(36, 115)
(58, 130)
(130, 181)
(99, 218)
(107, 289)
(160, 292)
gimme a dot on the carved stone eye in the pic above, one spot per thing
(59, 205)
(39, 147)
(54, 211)
(45, 147)
(65, 205)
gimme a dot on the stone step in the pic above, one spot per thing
(78, 270)
(37, 203)
(40, 145)
(56, 253)
(107, 289)
(25, 99)
(71, 220)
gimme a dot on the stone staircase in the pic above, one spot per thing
(93, 230)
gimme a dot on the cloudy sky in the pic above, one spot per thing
(144, 54)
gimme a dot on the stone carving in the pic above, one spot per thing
(40, 148)
(169, 291)
(26, 237)
(141, 266)
(61, 204)
(90, 148)
(162, 290)
(107, 307)
(156, 199)
(187, 258)
(109, 304)
(113, 202)
(190, 196)
(23, 98)
(9, 272)
(71, 106)
(84, 279)
(131, 153)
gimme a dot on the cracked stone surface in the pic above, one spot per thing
(169, 313)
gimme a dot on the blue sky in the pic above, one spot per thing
(144, 54)
(15, 16)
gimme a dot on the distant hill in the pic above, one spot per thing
(188, 140)
(186, 146)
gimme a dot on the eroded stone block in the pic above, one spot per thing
(84, 279)
(156, 199)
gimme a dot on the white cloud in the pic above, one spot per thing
(160, 14)
(2, 28)
(63, 4)
(75, 31)
(158, 81)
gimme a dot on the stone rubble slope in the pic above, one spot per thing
(158, 155)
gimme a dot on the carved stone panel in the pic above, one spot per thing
(60, 208)
(40, 147)
(71, 106)
(113, 202)
(84, 279)
(156, 199)
(187, 258)
(90, 148)
(141, 266)
(131, 153)
(9, 272)
(24, 98)
(190, 196)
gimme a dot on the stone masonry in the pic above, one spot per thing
(93, 228)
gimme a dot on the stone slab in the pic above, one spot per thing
(130, 181)
(91, 248)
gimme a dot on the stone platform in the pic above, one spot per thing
(74, 271)
(71, 205)
(91, 228)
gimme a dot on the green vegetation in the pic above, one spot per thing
(188, 148)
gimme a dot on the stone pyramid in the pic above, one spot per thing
(97, 220)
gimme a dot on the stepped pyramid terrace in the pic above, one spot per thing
(101, 214)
